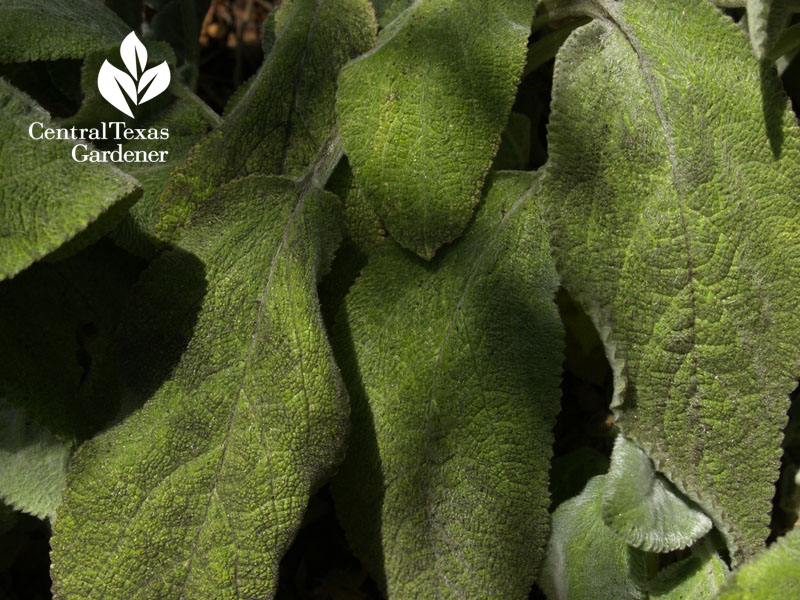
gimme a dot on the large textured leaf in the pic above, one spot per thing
(33, 464)
(46, 198)
(455, 394)
(199, 493)
(421, 114)
(287, 115)
(585, 559)
(49, 29)
(672, 194)
(773, 575)
(643, 509)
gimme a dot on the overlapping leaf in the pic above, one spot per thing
(672, 194)
(698, 577)
(199, 493)
(585, 559)
(454, 372)
(33, 464)
(421, 114)
(287, 115)
(50, 29)
(46, 198)
(643, 509)
(773, 575)
(186, 125)
(765, 20)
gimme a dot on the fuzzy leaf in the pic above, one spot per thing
(459, 363)
(387, 11)
(199, 493)
(672, 197)
(698, 577)
(33, 464)
(765, 20)
(287, 115)
(585, 559)
(137, 232)
(46, 198)
(773, 575)
(50, 29)
(421, 114)
(641, 507)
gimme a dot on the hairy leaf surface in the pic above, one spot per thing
(199, 493)
(137, 233)
(773, 575)
(421, 114)
(46, 198)
(286, 116)
(698, 577)
(33, 464)
(765, 19)
(49, 29)
(672, 194)
(455, 395)
(585, 559)
(643, 509)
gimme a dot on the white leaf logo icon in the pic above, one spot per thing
(111, 81)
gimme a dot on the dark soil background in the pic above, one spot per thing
(320, 565)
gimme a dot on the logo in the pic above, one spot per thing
(139, 85)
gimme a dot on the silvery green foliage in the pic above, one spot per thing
(205, 400)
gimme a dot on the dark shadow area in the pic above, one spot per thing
(25, 559)
(56, 84)
(53, 350)
(773, 101)
(157, 324)
(533, 100)
(358, 498)
(319, 564)
(786, 503)
(584, 431)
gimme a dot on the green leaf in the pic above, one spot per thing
(765, 20)
(585, 559)
(698, 577)
(772, 575)
(387, 11)
(52, 351)
(33, 464)
(199, 493)
(454, 372)
(421, 114)
(49, 29)
(641, 507)
(287, 116)
(46, 198)
(362, 225)
(569, 473)
(187, 125)
(672, 196)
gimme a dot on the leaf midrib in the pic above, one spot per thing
(240, 389)
(428, 465)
